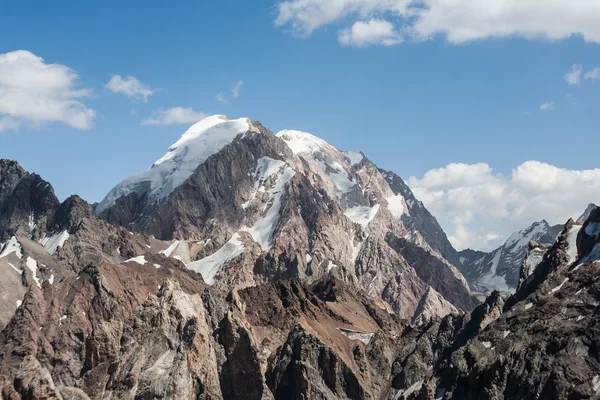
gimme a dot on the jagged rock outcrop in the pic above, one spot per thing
(26, 202)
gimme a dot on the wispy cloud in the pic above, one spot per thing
(222, 99)
(131, 87)
(548, 106)
(174, 115)
(573, 77)
(33, 92)
(235, 91)
(593, 74)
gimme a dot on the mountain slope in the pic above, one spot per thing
(151, 328)
(499, 269)
(267, 207)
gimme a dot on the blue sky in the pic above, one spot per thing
(411, 107)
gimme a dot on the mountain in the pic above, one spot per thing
(253, 207)
(148, 327)
(499, 269)
(279, 268)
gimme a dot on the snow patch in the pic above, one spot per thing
(209, 266)
(139, 259)
(362, 215)
(572, 242)
(557, 288)
(528, 306)
(53, 243)
(396, 206)
(19, 302)
(51, 280)
(340, 177)
(505, 334)
(407, 392)
(330, 266)
(354, 157)
(12, 246)
(302, 142)
(32, 265)
(157, 266)
(167, 252)
(364, 337)
(17, 270)
(262, 231)
(487, 345)
(493, 281)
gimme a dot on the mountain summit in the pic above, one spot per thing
(242, 205)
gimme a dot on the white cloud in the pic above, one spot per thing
(222, 99)
(547, 106)
(33, 92)
(174, 115)
(131, 87)
(479, 209)
(593, 74)
(459, 21)
(373, 31)
(573, 77)
(235, 91)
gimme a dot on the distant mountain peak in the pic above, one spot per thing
(588, 211)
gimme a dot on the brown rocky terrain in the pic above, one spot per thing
(280, 268)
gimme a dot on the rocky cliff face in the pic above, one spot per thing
(500, 269)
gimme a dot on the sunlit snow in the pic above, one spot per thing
(199, 142)
(209, 266)
(52, 243)
(139, 259)
(362, 215)
(32, 265)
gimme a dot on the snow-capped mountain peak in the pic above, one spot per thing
(586, 214)
(499, 269)
(200, 141)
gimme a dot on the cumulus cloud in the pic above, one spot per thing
(174, 115)
(459, 21)
(373, 31)
(573, 77)
(593, 74)
(131, 87)
(33, 93)
(479, 209)
(547, 106)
